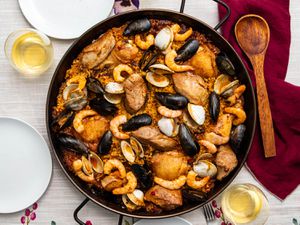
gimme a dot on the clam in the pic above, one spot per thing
(224, 64)
(171, 101)
(76, 101)
(113, 98)
(136, 122)
(129, 204)
(168, 126)
(214, 106)
(137, 147)
(94, 85)
(136, 197)
(187, 50)
(137, 26)
(72, 143)
(103, 107)
(205, 168)
(127, 151)
(149, 57)
(160, 69)
(197, 113)
(143, 175)
(105, 143)
(221, 82)
(114, 88)
(68, 90)
(228, 89)
(96, 162)
(87, 167)
(187, 119)
(236, 137)
(164, 38)
(157, 80)
(187, 141)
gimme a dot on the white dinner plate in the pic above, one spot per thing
(168, 221)
(65, 19)
(25, 165)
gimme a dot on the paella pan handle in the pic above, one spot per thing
(222, 21)
(77, 211)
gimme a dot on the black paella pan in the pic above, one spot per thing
(118, 20)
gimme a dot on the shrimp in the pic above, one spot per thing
(171, 184)
(144, 45)
(181, 37)
(77, 122)
(80, 80)
(114, 126)
(164, 111)
(128, 187)
(196, 184)
(77, 167)
(114, 164)
(209, 146)
(118, 71)
(170, 62)
(239, 113)
(215, 138)
(236, 95)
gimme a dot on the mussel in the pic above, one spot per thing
(187, 141)
(72, 143)
(94, 85)
(105, 143)
(103, 107)
(193, 195)
(137, 26)
(172, 101)
(187, 50)
(224, 64)
(148, 58)
(143, 175)
(64, 119)
(136, 122)
(237, 136)
(214, 106)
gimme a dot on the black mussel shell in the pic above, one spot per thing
(148, 58)
(188, 50)
(136, 122)
(224, 64)
(172, 101)
(193, 195)
(236, 137)
(214, 106)
(105, 143)
(143, 175)
(72, 143)
(63, 120)
(94, 85)
(137, 26)
(76, 104)
(187, 141)
(103, 107)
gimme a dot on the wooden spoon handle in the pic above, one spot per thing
(264, 111)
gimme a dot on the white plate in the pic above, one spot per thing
(65, 19)
(168, 221)
(25, 165)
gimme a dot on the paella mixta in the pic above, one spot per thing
(150, 113)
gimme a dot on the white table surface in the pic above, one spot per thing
(26, 98)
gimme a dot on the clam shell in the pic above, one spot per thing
(137, 147)
(221, 82)
(205, 168)
(127, 151)
(136, 197)
(228, 89)
(113, 98)
(157, 80)
(114, 88)
(87, 167)
(129, 204)
(68, 90)
(197, 113)
(96, 162)
(168, 126)
(164, 38)
(160, 69)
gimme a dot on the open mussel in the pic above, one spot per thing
(149, 57)
(172, 101)
(224, 64)
(143, 175)
(64, 119)
(187, 50)
(137, 26)
(136, 122)
(72, 144)
(194, 195)
(94, 85)
(214, 106)
(103, 107)
(187, 141)
(105, 143)
(237, 136)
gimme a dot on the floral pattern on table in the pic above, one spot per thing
(125, 5)
(219, 213)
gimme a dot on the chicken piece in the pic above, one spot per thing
(152, 136)
(135, 93)
(169, 165)
(125, 52)
(94, 128)
(164, 198)
(98, 51)
(226, 161)
(204, 62)
(112, 181)
(224, 124)
(191, 86)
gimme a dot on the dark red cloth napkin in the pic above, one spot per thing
(280, 174)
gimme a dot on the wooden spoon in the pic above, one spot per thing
(253, 34)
